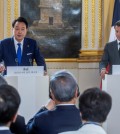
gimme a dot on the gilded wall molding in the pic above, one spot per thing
(8, 18)
(93, 24)
(1, 19)
(16, 8)
(85, 24)
(100, 45)
(11, 12)
(92, 47)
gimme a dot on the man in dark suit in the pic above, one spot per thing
(111, 54)
(65, 116)
(26, 47)
(9, 104)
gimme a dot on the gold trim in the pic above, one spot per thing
(91, 52)
(1, 19)
(8, 18)
(16, 7)
(85, 28)
(62, 60)
(100, 23)
(77, 60)
(93, 24)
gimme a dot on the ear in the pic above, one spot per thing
(14, 118)
(52, 95)
(76, 93)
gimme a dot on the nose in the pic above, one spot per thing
(19, 31)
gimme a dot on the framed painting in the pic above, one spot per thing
(55, 25)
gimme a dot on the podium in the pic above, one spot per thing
(111, 84)
(34, 92)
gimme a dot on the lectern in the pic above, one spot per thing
(34, 92)
(111, 84)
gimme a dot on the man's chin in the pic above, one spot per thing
(19, 39)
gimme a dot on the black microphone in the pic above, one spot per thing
(30, 60)
(16, 61)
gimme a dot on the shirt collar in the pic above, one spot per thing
(4, 128)
(65, 104)
(118, 41)
(16, 42)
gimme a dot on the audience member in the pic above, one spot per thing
(9, 104)
(94, 107)
(65, 116)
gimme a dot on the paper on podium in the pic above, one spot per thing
(25, 70)
(115, 69)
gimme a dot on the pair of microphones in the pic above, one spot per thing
(18, 64)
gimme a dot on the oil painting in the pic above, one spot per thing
(55, 25)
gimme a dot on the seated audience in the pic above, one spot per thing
(65, 116)
(9, 104)
(94, 107)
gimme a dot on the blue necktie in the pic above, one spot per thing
(19, 53)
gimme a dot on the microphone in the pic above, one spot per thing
(16, 61)
(30, 60)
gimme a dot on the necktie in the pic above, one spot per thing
(19, 53)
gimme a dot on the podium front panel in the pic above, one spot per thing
(111, 84)
(34, 92)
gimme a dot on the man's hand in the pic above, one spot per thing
(45, 73)
(50, 104)
(103, 72)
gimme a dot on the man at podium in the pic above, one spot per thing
(111, 54)
(19, 50)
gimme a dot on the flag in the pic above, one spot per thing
(116, 17)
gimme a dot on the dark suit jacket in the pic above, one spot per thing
(19, 126)
(5, 132)
(30, 52)
(61, 119)
(110, 56)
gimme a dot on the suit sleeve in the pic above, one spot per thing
(39, 57)
(0, 51)
(105, 58)
(33, 125)
(19, 126)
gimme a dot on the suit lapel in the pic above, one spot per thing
(12, 48)
(25, 49)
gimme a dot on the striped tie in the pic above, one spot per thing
(19, 53)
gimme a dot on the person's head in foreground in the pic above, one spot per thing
(94, 105)
(63, 87)
(9, 104)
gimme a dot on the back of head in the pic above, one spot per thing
(2, 81)
(63, 85)
(9, 103)
(95, 105)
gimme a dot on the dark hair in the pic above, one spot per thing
(117, 23)
(20, 19)
(9, 103)
(63, 85)
(95, 105)
(2, 80)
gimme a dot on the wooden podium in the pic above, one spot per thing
(34, 92)
(111, 84)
